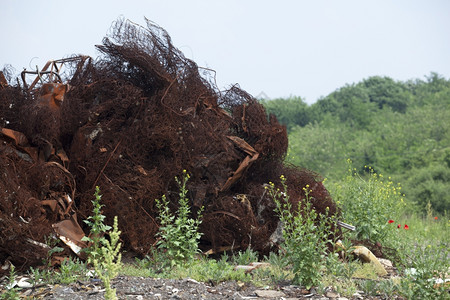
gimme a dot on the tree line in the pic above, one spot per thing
(401, 129)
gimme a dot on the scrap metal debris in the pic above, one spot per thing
(129, 122)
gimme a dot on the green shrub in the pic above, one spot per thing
(178, 233)
(369, 204)
(430, 184)
(305, 234)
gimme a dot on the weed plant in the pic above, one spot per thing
(424, 278)
(70, 271)
(53, 243)
(178, 232)
(104, 254)
(245, 257)
(107, 266)
(97, 228)
(305, 233)
(11, 292)
(279, 271)
(210, 270)
(425, 257)
(215, 271)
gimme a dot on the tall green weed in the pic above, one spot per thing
(178, 233)
(97, 228)
(305, 233)
(104, 254)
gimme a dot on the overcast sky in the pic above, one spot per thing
(282, 48)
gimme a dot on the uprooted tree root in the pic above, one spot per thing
(130, 122)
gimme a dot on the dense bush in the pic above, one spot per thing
(398, 128)
(369, 204)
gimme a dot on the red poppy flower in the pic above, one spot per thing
(391, 221)
(398, 226)
(435, 218)
(406, 226)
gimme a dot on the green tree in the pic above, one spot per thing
(350, 103)
(401, 129)
(384, 91)
(290, 112)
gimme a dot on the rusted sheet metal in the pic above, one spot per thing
(70, 232)
(244, 165)
(59, 204)
(3, 81)
(243, 145)
(18, 137)
(20, 142)
(52, 95)
(52, 204)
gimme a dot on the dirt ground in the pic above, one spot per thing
(129, 287)
(156, 288)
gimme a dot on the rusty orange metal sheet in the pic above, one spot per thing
(248, 160)
(50, 203)
(19, 138)
(241, 143)
(20, 142)
(70, 232)
(52, 95)
(244, 165)
(3, 81)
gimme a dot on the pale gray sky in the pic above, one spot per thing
(282, 48)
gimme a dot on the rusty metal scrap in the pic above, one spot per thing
(129, 122)
(70, 232)
(20, 141)
(244, 165)
(51, 72)
(3, 81)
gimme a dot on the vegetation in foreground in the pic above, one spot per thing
(419, 248)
